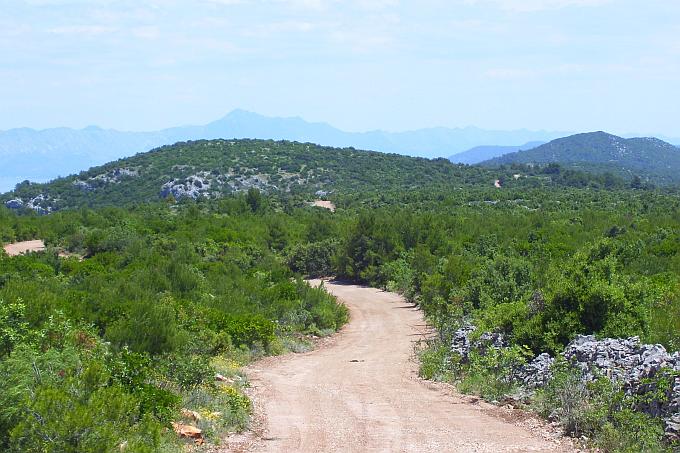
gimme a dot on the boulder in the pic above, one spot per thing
(187, 430)
(15, 203)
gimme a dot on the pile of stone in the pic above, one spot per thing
(626, 361)
(634, 366)
(460, 344)
(536, 373)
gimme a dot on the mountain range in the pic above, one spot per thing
(650, 158)
(41, 155)
(481, 153)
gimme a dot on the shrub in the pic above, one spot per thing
(245, 329)
(491, 374)
(437, 363)
(13, 325)
(162, 404)
(188, 371)
(312, 260)
(600, 411)
(149, 327)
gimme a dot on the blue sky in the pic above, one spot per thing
(358, 64)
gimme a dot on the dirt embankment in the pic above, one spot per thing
(360, 393)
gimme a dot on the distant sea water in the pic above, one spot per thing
(7, 183)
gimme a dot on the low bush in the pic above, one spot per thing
(598, 411)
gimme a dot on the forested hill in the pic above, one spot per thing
(295, 171)
(214, 168)
(650, 158)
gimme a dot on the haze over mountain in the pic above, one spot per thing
(40, 155)
(481, 153)
(647, 157)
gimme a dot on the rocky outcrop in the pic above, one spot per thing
(83, 185)
(194, 186)
(15, 203)
(114, 176)
(42, 204)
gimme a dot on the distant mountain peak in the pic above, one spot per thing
(45, 154)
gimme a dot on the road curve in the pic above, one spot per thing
(361, 393)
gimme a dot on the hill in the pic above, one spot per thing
(650, 158)
(34, 155)
(481, 153)
(212, 169)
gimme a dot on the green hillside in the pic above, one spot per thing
(293, 171)
(649, 158)
(212, 169)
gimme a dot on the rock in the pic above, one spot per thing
(625, 361)
(187, 431)
(194, 186)
(536, 373)
(490, 340)
(632, 365)
(673, 428)
(15, 203)
(83, 185)
(460, 344)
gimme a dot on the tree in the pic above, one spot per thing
(254, 199)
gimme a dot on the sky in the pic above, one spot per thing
(359, 65)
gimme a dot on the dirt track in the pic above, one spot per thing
(361, 393)
(20, 248)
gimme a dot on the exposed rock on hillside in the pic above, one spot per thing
(42, 204)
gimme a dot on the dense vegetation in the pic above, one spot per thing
(650, 159)
(169, 292)
(540, 270)
(291, 171)
(105, 350)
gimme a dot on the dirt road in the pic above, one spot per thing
(361, 393)
(19, 248)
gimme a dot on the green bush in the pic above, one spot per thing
(491, 373)
(438, 364)
(599, 411)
